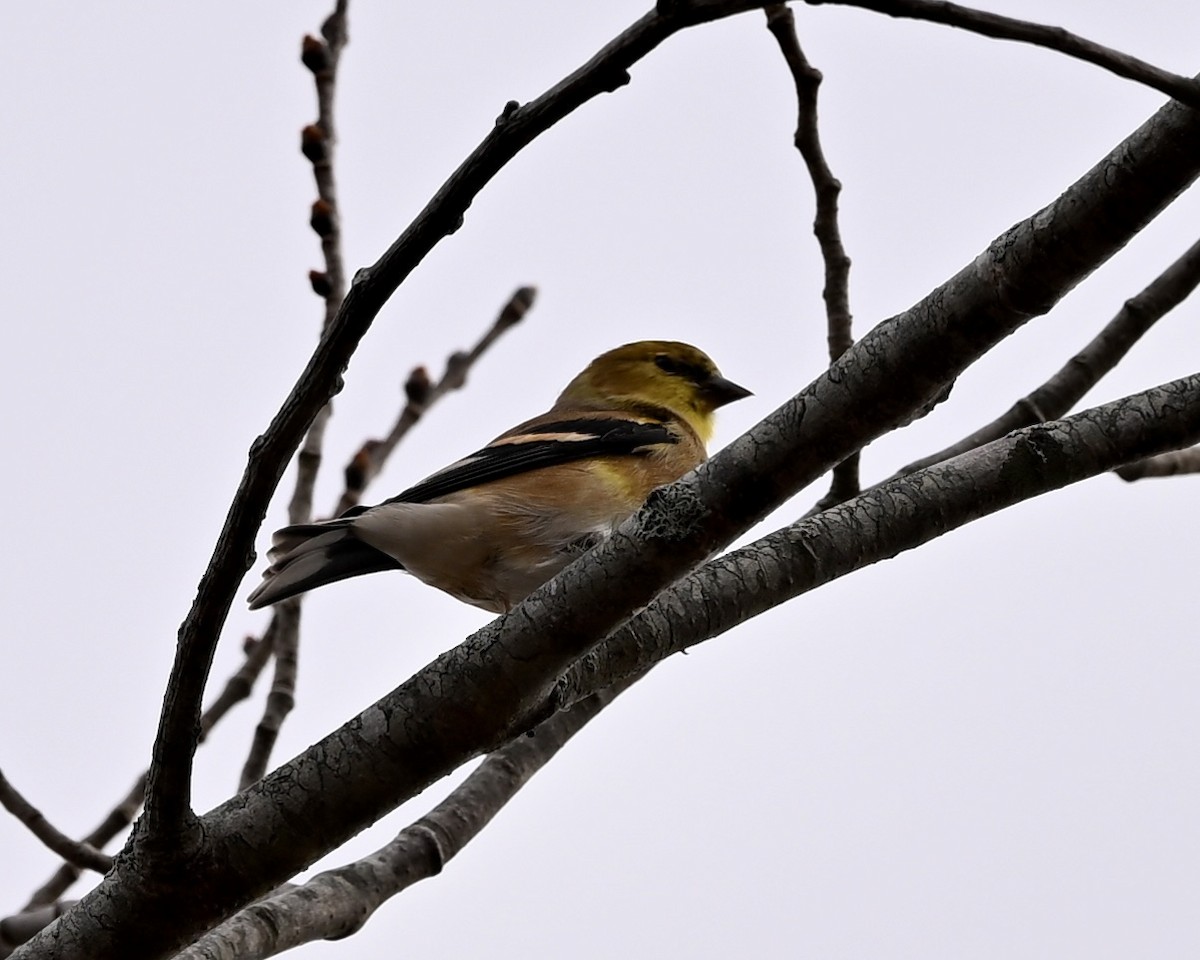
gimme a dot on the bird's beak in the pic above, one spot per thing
(719, 391)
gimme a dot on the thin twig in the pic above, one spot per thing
(240, 684)
(317, 143)
(827, 187)
(77, 852)
(421, 394)
(1171, 464)
(1184, 89)
(285, 626)
(1068, 386)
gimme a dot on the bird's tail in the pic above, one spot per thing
(309, 555)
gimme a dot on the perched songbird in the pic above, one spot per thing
(494, 526)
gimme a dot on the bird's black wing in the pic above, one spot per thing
(541, 445)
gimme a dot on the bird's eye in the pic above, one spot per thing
(668, 364)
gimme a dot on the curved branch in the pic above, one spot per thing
(896, 516)
(1184, 89)
(828, 188)
(168, 810)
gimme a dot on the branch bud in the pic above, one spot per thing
(314, 53)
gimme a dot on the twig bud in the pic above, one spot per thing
(313, 143)
(314, 53)
(321, 218)
(359, 469)
(516, 308)
(417, 387)
(319, 280)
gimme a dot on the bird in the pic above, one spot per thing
(491, 528)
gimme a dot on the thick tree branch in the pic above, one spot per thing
(1168, 464)
(1184, 89)
(887, 520)
(1083, 371)
(15, 930)
(349, 895)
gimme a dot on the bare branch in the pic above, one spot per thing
(168, 812)
(349, 895)
(15, 930)
(1184, 89)
(471, 698)
(240, 684)
(285, 622)
(79, 853)
(1170, 464)
(1068, 386)
(827, 187)
(421, 395)
(317, 142)
(896, 516)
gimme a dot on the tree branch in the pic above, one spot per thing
(1184, 89)
(474, 697)
(421, 395)
(349, 895)
(1170, 464)
(285, 628)
(1068, 386)
(169, 819)
(76, 852)
(15, 930)
(317, 143)
(899, 515)
(827, 187)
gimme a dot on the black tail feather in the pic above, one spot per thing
(321, 559)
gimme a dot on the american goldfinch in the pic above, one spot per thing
(494, 526)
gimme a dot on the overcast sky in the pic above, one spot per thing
(985, 748)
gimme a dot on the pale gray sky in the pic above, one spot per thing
(985, 748)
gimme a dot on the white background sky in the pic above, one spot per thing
(985, 748)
